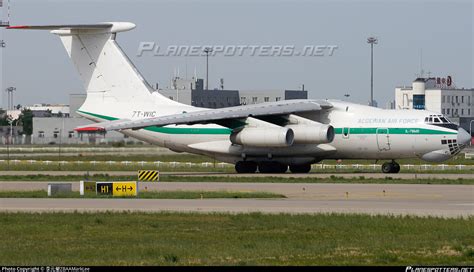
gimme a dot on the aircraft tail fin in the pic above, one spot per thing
(107, 73)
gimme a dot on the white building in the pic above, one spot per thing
(59, 127)
(438, 95)
(48, 130)
(55, 109)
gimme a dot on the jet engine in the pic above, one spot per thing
(315, 133)
(263, 137)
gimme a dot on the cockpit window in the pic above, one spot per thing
(440, 120)
(444, 120)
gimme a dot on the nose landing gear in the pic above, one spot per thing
(391, 167)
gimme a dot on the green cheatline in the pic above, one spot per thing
(169, 130)
(226, 131)
(392, 131)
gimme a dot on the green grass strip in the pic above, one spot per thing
(232, 239)
(172, 178)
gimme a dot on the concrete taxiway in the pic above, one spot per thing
(398, 199)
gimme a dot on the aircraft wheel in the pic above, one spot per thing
(387, 167)
(396, 167)
(300, 168)
(391, 167)
(244, 167)
(282, 168)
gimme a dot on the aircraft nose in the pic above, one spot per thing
(464, 138)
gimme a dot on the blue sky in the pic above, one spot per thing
(36, 63)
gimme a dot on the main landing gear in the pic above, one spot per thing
(300, 168)
(391, 167)
(247, 167)
(272, 167)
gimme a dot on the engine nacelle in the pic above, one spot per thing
(264, 137)
(316, 133)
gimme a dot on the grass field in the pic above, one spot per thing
(148, 195)
(173, 178)
(225, 239)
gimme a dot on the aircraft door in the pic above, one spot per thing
(383, 139)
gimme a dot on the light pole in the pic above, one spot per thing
(372, 41)
(207, 50)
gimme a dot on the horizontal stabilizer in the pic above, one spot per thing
(108, 27)
(64, 27)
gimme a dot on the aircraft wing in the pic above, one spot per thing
(224, 116)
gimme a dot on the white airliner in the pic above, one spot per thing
(268, 137)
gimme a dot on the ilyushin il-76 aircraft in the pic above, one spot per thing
(268, 138)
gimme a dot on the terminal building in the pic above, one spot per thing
(439, 95)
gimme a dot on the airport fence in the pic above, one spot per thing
(222, 165)
(77, 149)
(142, 164)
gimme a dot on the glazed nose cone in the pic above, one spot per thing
(464, 138)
